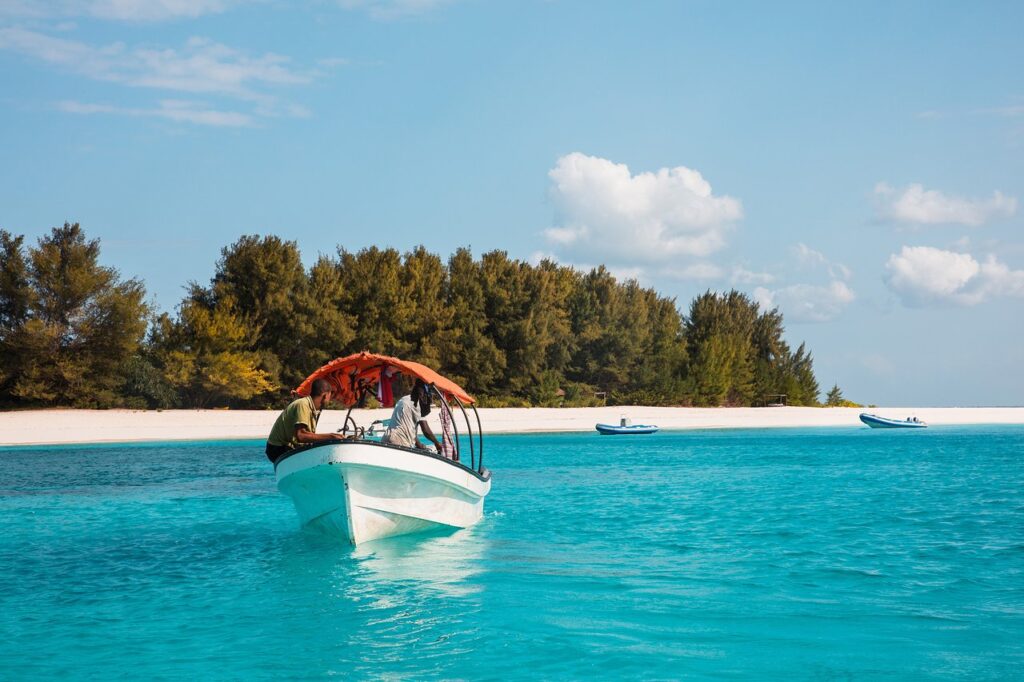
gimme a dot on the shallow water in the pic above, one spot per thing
(796, 553)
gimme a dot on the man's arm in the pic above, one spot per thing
(428, 432)
(304, 435)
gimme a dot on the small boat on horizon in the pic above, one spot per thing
(876, 422)
(625, 427)
(363, 489)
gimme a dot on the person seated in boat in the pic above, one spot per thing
(296, 425)
(411, 413)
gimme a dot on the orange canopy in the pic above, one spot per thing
(350, 374)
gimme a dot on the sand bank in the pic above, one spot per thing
(98, 426)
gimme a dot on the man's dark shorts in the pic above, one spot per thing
(274, 452)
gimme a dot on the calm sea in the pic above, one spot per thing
(799, 554)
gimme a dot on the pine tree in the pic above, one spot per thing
(68, 324)
(206, 354)
(297, 321)
(468, 354)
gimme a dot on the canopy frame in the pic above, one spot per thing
(353, 377)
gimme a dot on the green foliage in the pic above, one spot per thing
(545, 392)
(297, 323)
(719, 334)
(503, 401)
(467, 351)
(206, 354)
(512, 333)
(737, 355)
(834, 398)
(803, 388)
(145, 386)
(67, 324)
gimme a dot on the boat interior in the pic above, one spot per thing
(357, 378)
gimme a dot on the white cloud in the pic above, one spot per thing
(810, 302)
(118, 10)
(201, 66)
(609, 215)
(923, 275)
(809, 257)
(174, 110)
(919, 206)
(807, 302)
(741, 275)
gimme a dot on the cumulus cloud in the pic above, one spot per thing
(916, 205)
(607, 214)
(807, 302)
(923, 275)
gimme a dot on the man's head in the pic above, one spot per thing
(420, 394)
(321, 391)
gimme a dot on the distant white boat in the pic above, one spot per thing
(362, 489)
(613, 430)
(876, 422)
(625, 427)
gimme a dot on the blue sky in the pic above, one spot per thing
(861, 166)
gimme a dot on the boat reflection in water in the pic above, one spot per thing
(437, 564)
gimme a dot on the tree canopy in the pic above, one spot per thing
(512, 333)
(67, 323)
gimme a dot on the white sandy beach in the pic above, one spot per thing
(99, 426)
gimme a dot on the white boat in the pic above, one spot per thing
(362, 489)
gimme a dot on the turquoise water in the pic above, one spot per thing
(769, 554)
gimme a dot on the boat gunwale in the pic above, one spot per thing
(481, 476)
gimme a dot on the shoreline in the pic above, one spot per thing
(69, 426)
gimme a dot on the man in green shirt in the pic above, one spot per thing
(296, 425)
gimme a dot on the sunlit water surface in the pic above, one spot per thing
(798, 553)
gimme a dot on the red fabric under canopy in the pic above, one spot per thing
(363, 370)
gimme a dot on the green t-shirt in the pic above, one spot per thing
(299, 412)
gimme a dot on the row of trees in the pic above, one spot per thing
(73, 333)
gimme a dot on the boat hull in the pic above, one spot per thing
(613, 430)
(363, 491)
(876, 422)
